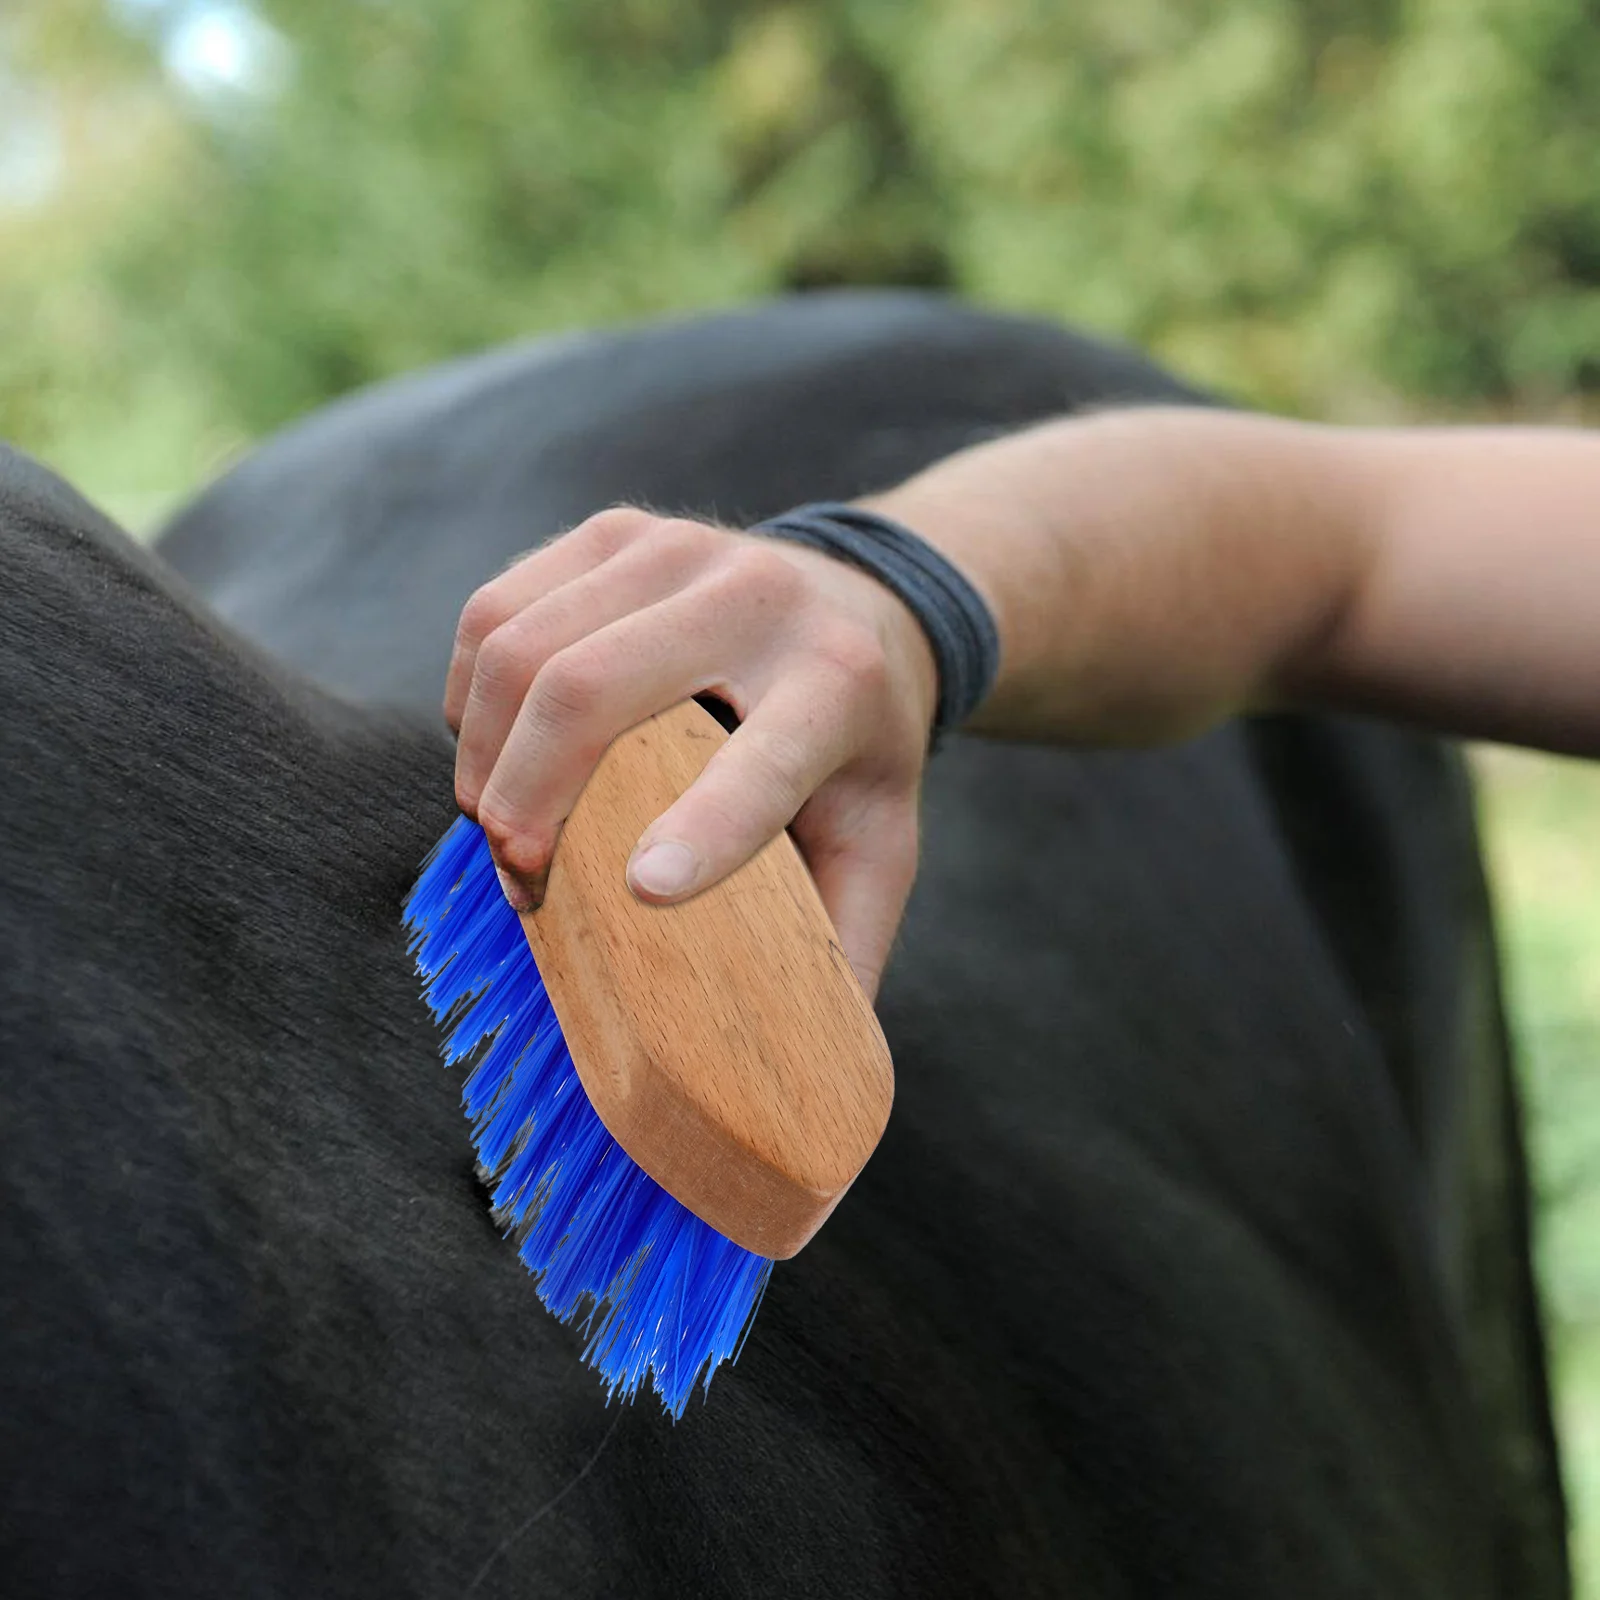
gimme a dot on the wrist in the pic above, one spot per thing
(952, 614)
(979, 536)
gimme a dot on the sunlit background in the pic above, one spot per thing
(215, 215)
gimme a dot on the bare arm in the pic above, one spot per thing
(1156, 570)
(1151, 572)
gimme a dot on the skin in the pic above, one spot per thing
(1152, 572)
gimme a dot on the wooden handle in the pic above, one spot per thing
(724, 1042)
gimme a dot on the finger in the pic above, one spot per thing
(592, 543)
(788, 745)
(582, 698)
(509, 661)
(865, 880)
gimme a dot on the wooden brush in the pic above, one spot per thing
(674, 1096)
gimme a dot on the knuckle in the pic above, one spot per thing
(520, 559)
(611, 531)
(731, 823)
(682, 542)
(486, 609)
(467, 797)
(453, 703)
(515, 846)
(757, 570)
(570, 686)
(775, 760)
(502, 661)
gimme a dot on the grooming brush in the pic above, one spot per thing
(671, 1097)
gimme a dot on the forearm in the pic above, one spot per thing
(1153, 571)
(1478, 609)
(1147, 568)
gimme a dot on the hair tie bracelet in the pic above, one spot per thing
(959, 625)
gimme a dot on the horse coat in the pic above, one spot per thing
(1193, 1261)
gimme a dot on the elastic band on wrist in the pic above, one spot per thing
(958, 623)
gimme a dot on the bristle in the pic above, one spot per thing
(659, 1293)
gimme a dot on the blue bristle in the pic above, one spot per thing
(660, 1294)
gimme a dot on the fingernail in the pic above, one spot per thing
(664, 869)
(518, 897)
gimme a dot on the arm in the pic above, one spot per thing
(1151, 572)
(1154, 571)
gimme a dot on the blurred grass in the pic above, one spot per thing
(1541, 822)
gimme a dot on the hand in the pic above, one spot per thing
(830, 674)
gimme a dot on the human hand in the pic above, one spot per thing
(830, 674)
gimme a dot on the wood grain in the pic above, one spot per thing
(724, 1042)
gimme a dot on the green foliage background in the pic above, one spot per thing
(1326, 205)
(1349, 208)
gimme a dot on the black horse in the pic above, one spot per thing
(1194, 1261)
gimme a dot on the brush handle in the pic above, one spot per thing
(723, 1041)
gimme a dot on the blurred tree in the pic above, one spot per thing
(1320, 205)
